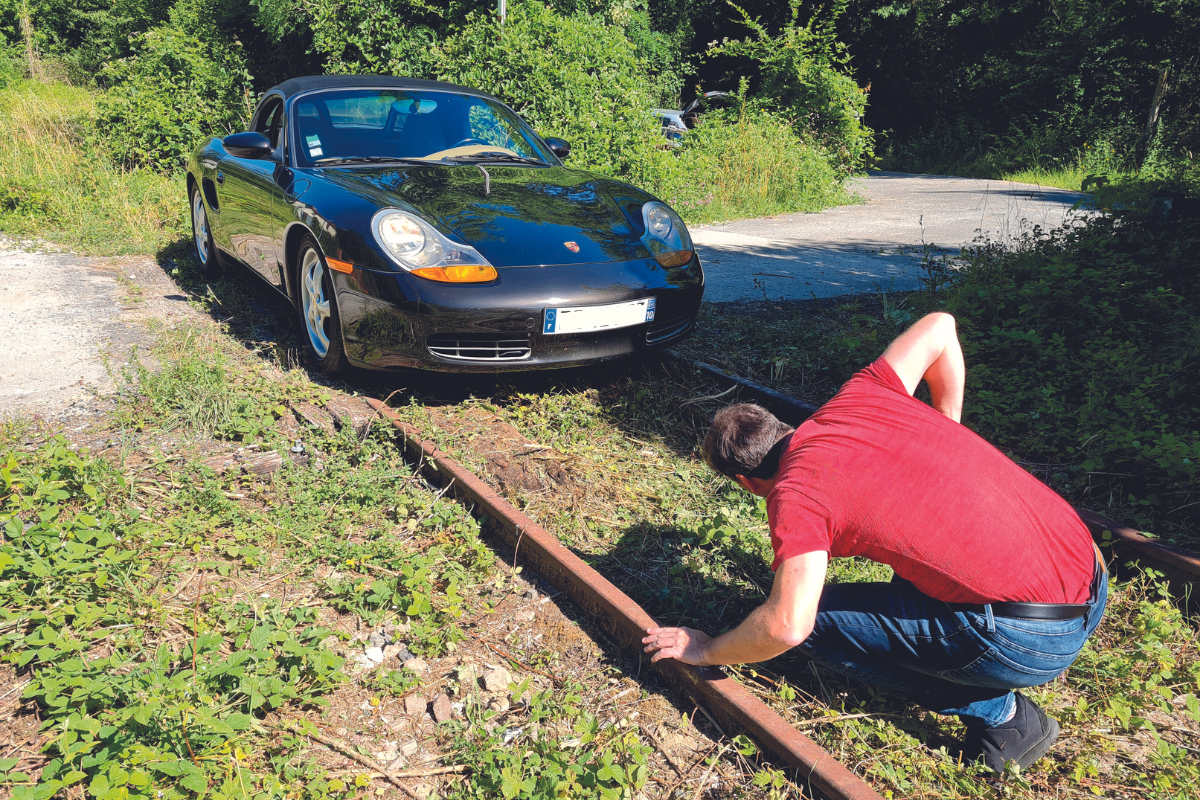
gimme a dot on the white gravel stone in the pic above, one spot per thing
(497, 680)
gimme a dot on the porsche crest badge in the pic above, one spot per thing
(574, 248)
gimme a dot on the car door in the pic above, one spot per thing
(251, 194)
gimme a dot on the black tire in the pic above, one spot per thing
(202, 240)
(317, 312)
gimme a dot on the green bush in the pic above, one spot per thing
(1083, 345)
(172, 92)
(805, 76)
(576, 77)
(747, 161)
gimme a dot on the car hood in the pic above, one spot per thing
(514, 216)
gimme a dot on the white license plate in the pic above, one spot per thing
(582, 319)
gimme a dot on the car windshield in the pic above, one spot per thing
(381, 124)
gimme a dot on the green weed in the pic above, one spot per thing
(57, 184)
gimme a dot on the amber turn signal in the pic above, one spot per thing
(339, 266)
(464, 273)
(675, 258)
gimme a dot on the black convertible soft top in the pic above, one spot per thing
(295, 86)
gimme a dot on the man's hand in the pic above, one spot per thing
(685, 644)
(775, 627)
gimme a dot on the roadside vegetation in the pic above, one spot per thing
(1041, 93)
(175, 625)
(57, 183)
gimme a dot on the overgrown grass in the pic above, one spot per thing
(1043, 157)
(746, 163)
(183, 632)
(58, 184)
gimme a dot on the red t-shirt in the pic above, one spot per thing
(879, 474)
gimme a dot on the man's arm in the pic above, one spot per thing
(778, 625)
(930, 350)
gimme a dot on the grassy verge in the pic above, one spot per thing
(692, 549)
(174, 626)
(1043, 158)
(57, 185)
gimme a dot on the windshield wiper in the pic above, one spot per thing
(327, 162)
(497, 156)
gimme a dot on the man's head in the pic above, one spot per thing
(745, 443)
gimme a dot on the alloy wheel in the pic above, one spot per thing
(200, 228)
(314, 303)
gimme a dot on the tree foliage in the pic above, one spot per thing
(1029, 78)
(804, 73)
(173, 91)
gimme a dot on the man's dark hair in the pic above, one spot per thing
(745, 439)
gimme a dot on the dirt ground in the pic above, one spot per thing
(76, 326)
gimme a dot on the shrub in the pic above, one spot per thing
(747, 161)
(1083, 344)
(805, 76)
(174, 91)
(393, 37)
(576, 77)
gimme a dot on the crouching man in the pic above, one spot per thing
(997, 582)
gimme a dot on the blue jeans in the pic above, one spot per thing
(949, 660)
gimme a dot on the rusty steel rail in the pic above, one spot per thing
(727, 700)
(1180, 567)
(791, 410)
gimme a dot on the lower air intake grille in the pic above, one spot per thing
(479, 346)
(668, 329)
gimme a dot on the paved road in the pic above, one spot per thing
(873, 246)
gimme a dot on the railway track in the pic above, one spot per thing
(735, 707)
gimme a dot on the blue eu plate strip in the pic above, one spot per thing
(551, 320)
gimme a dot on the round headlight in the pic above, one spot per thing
(658, 221)
(402, 235)
(414, 244)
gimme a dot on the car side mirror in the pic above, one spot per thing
(250, 144)
(560, 147)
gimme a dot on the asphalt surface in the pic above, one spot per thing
(873, 246)
(70, 325)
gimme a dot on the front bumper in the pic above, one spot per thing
(395, 321)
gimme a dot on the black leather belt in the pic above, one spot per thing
(1047, 611)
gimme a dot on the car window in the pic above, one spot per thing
(359, 112)
(401, 123)
(487, 126)
(270, 120)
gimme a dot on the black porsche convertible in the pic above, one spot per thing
(421, 224)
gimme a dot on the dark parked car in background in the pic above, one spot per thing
(420, 224)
